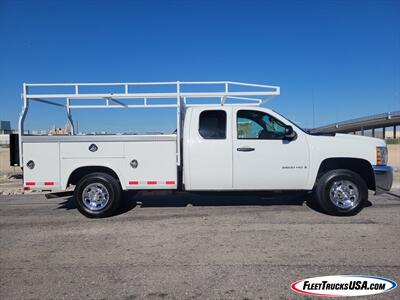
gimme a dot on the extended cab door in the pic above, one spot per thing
(262, 158)
(208, 148)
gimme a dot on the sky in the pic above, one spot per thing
(343, 56)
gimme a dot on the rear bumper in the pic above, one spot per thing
(383, 179)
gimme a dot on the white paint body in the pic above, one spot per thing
(207, 164)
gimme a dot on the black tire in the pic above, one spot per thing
(105, 183)
(323, 193)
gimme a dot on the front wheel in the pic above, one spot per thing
(341, 192)
(97, 195)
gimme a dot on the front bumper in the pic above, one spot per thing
(383, 179)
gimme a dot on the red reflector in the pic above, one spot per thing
(30, 183)
(170, 182)
(133, 182)
(49, 183)
(151, 182)
(26, 188)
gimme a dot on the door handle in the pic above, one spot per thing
(245, 149)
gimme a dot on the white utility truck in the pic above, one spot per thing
(225, 140)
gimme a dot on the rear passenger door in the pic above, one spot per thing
(209, 150)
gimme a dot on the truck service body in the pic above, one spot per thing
(236, 144)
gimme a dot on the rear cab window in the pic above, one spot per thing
(212, 124)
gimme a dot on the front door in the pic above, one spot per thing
(262, 158)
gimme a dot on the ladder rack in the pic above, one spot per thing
(224, 90)
(123, 95)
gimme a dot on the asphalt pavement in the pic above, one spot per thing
(183, 246)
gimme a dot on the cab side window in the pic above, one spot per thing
(257, 125)
(212, 124)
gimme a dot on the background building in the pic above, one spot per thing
(5, 127)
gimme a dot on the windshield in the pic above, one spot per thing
(306, 131)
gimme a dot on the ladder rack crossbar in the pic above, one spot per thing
(150, 95)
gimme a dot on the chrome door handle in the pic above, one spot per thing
(245, 149)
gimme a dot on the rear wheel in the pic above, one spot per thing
(97, 195)
(341, 192)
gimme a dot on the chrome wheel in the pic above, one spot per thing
(95, 196)
(344, 194)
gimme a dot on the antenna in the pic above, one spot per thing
(313, 107)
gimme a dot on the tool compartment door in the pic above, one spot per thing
(150, 165)
(45, 173)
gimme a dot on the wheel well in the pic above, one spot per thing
(360, 166)
(81, 172)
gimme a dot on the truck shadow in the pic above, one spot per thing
(182, 199)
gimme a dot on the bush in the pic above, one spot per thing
(393, 141)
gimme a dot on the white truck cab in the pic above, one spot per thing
(234, 145)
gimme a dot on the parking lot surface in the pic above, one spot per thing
(190, 247)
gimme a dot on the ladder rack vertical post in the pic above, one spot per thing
(223, 98)
(178, 123)
(22, 120)
(71, 122)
